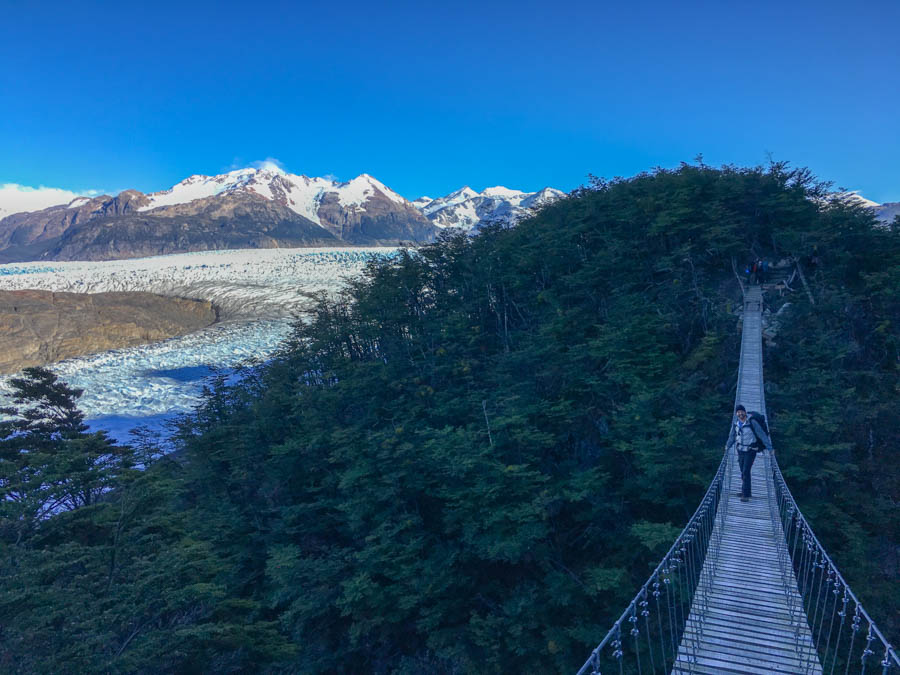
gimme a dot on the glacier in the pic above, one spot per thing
(258, 295)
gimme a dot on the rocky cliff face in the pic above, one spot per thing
(41, 327)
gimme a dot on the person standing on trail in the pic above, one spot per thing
(747, 437)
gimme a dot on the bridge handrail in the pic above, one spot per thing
(793, 521)
(716, 482)
(676, 547)
(793, 518)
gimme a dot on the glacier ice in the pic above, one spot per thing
(258, 293)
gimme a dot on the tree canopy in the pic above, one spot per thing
(472, 458)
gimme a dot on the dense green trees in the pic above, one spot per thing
(833, 382)
(471, 460)
(48, 463)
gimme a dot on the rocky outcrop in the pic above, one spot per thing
(41, 327)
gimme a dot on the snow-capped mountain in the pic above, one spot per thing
(249, 208)
(464, 208)
(256, 208)
(468, 209)
(301, 194)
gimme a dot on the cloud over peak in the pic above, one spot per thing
(269, 164)
(15, 198)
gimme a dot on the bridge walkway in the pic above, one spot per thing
(747, 615)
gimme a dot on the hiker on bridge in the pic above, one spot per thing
(748, 436)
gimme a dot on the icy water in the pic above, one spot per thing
(259, 293)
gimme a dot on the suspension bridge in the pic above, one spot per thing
(746, 588)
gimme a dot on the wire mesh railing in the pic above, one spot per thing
(648, 635)
(846, 638)
(832, 631)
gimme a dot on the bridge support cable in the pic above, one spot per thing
(746, 587)
(648, 633)
(748, 622)
(845, 636)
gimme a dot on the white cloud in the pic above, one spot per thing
(269, 164)
(15, 198)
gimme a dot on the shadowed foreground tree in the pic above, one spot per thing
(48, 460)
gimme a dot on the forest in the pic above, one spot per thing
(471, 459)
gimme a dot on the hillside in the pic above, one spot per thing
(470, 461)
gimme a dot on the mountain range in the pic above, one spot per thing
(251, 208)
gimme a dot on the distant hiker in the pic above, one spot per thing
(814, 259)
(747, 437)
(753, 272)
(763, 271)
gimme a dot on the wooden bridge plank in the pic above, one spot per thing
(750, 635)
(726, 639)
(747, 615)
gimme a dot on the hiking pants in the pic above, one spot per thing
(745, 459)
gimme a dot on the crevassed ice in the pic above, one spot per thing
(143, 381)
(259, 294)
(243, 284)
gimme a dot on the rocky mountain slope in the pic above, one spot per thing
(31, 235)
(250, 208)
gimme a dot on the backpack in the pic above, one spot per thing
(761, 419)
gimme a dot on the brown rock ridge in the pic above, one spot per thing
(41, 327)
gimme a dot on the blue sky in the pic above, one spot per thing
(428, 97)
